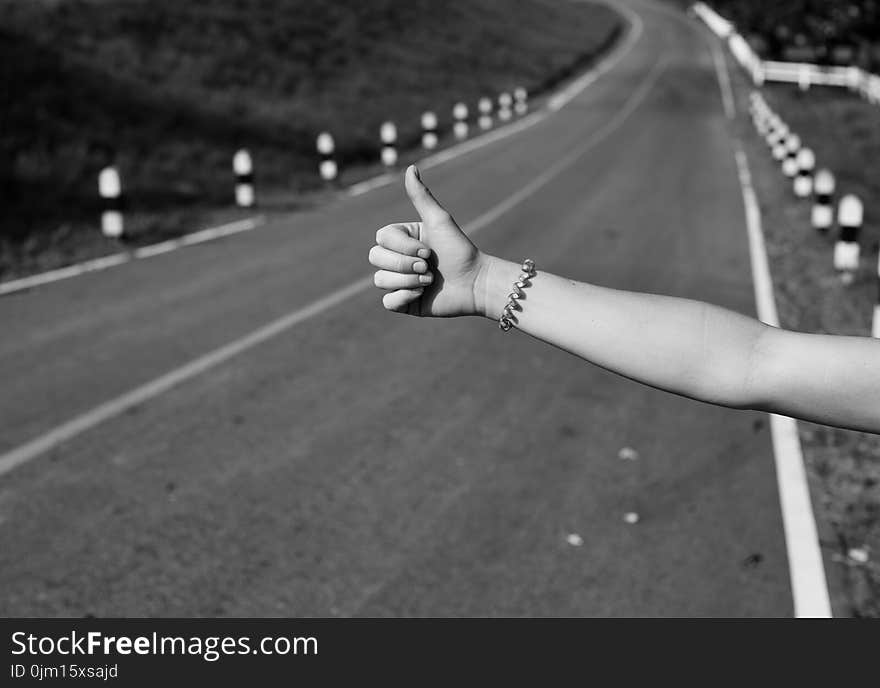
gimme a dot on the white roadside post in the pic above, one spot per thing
(429, 130)
(765, 122)
(780, 148)
(822, 216)
(110, 190)
(756, 102)
(460, 115)
(760, 114)
(846, 251)
(875, 325)
(758, 73)
(789, 163)
(326, 147)
(803, 182)
(521, 98)
(243, 167)
(804, 78)
(760, 123)
(388, 136)
(485, 108)
(854, 79)
(774, 127)
(505, 102)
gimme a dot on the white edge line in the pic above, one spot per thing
(63, 273)
(115, 259)
(724, 81)
(371, 183)
(554, 104)
(806, 567)
(109, 409)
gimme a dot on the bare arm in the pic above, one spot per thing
(696, 349)
(431, 268)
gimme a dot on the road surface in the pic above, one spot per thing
(363, 463)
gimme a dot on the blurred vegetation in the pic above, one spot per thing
(822, 31)
(168, 90)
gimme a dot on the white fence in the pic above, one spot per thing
(802, 73)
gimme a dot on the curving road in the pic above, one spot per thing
(355, 462)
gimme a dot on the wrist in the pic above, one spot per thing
(493, 284)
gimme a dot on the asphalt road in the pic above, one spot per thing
(366, 463)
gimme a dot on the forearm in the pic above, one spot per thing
(682, 346)
(823, 378)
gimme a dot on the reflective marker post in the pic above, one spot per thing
(388, 136)
(110, 190)
(243, 167)
(328, 168)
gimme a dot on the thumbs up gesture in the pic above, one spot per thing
(427, 268)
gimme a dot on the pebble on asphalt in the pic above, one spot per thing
(627, 454)
(574, 539)
(858, 555)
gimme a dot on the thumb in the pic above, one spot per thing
(422, 199)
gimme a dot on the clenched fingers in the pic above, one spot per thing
(400, 300)
(397, 238)
(386, 259)
(385, 279)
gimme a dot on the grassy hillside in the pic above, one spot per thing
(168, 90)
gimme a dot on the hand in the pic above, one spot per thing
(428, 268)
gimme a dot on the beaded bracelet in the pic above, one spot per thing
(505, 322)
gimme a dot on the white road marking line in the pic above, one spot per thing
(478, 142)
(555, 103)
(806, 568)
(809, 586)
(63, 273)
(563, 98)
(119, 258)
(114, 407)
(160, 385)
(212, 233)
(371, 183)
(724, 81)
(156, 249)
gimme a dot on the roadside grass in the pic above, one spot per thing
(844, 466)
(168, 91)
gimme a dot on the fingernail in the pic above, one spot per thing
(419, 291)
(426, 279)
(417, 173)
(420, 266)
(424, 253)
